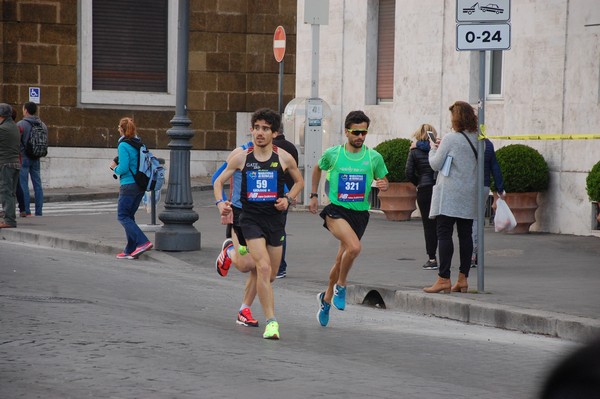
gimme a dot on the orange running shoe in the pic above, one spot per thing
(223, 262)
(245, 318)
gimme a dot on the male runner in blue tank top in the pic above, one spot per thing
(351, 167)
(263, 203)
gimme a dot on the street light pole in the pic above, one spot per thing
(178, 232)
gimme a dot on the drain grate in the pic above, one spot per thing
(374, 299)
(47, 299)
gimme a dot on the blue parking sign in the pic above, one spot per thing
(34, 95)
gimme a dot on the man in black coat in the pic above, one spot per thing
(9, 165)
(288, 146)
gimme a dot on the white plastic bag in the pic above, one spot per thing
(504, 220)
(147, 200)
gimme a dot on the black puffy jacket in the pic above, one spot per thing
(418, 170)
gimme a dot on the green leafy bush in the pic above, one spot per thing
(395, 154)
(592, 183)
(523, 168)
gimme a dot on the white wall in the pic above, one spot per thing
(89, 167)
(551, 84)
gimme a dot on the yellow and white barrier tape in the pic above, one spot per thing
(482, 136)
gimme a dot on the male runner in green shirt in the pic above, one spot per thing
(352, 168)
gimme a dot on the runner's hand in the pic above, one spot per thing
(313, 205)
(382, 184)
(224, 208)
(282, 203)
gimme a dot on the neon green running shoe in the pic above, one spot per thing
(271, 331)
(243, 250)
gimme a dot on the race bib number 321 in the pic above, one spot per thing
(351, 187)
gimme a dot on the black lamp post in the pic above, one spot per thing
(178, 232)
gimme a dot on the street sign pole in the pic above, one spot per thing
(280, 96)
(316, 13)
(480, 176)
(279, 52)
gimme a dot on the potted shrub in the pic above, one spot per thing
(399, 201)
(592, 186)
(525, 174)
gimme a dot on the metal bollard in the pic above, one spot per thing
(153, 200)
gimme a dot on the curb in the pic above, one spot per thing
(453, 307)
(62, 241)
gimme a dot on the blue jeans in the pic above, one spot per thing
(130, 196)
(32, 167)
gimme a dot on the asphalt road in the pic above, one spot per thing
(76, 325)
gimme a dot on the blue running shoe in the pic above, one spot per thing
(323, 313)
(339, 297)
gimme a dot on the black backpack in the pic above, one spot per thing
(37, 144)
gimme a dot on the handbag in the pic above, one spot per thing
(504, 220)
(471, 144)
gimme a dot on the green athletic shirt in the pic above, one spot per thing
(351, 175)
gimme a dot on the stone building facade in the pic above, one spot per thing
(550, 83)
(231, 69)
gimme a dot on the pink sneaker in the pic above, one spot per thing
(141, 249)
(123, 255)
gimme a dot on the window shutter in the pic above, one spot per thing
(130, 45)
(385, 50)
(496, 72)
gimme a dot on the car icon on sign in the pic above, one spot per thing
(492, 8)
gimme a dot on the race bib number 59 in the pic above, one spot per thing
(261, 185)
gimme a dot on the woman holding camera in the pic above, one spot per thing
(130, 194)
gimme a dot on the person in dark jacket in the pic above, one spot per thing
(491, 168)
(9, 165)
(281, 142)
(419, 172)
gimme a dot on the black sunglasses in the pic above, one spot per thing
(358, 132)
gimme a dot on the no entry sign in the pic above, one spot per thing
(279, 43)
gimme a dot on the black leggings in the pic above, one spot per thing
(445, 227)
(429, 225)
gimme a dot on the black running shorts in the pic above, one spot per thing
(236, 225)
(358, 220)
(270, 227)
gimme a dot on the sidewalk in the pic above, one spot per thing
(534, 283)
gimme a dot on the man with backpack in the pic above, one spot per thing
(34, 145)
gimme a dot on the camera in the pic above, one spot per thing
(115, 160)
(431, 135)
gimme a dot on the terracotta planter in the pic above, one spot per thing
(399, 201)
(523, 207)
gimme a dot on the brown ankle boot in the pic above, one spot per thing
(462, 285)
(441, 285)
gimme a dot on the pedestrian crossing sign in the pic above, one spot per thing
(34, 95)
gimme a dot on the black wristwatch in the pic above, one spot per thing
(313, 195)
